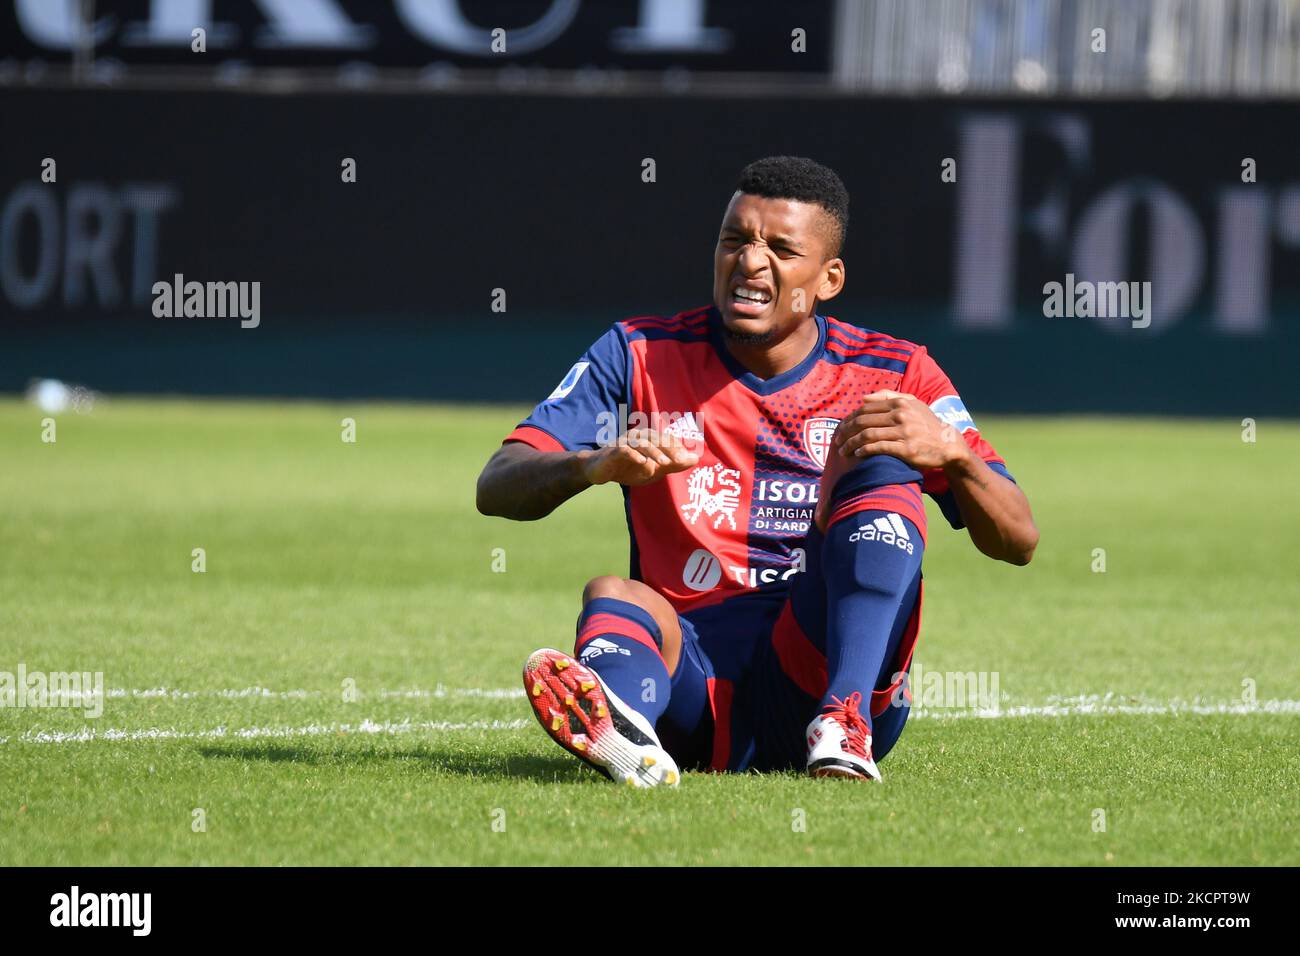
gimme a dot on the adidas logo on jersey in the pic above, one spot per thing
(687, 427)
(887, 530)
(597, 646)
(611, 427)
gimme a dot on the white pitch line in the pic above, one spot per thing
(1055, 706)
(265, 693)
(1100, 709)
(1083, 706)
(390, 727)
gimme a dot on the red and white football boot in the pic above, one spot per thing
(839, 742)
(586, 718)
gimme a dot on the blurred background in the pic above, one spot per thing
(1110, 140)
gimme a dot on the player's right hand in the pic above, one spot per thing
(640, 457)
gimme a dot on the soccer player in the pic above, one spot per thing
(772, 462)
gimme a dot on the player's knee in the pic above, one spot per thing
(610, 586)
(867, 474)
(625, 589)
(642, 596)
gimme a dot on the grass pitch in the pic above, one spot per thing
(1127, 733)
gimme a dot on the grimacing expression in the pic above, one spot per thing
(772, 264)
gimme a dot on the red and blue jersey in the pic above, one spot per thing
(734, 524)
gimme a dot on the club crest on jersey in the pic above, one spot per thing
(817, 434)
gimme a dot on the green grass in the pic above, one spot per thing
(330, 562)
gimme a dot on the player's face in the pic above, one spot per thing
(771, 266)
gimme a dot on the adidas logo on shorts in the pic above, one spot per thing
(887, 530)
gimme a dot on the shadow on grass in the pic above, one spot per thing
(545, 769)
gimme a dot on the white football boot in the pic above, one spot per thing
(586, 718)
(839, 742)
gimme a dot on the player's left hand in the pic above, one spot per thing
(892, 423)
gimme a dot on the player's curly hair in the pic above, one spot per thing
(802, 180)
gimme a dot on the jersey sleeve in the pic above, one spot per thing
(927, 381)
(583, 410)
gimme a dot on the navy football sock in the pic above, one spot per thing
(622, 643)
(871, 563)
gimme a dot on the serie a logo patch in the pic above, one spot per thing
(569, 381)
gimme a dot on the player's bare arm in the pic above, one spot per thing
(994, 509)
(522, 483)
